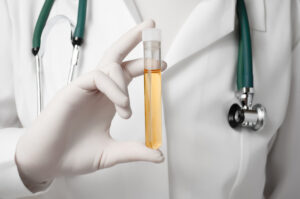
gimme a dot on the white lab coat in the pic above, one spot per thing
(205, 157)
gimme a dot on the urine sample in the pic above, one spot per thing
(152, 87)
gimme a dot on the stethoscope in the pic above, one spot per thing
(246, 114)
(77, 40)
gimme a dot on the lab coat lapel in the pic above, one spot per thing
(210, 21)
(256, 14)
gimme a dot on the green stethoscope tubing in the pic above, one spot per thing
(42, 19)
(79, 30)
(244, 66)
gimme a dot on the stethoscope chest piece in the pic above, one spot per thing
(252, 118)
(247, 115)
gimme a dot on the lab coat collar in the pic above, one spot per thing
(210, 21)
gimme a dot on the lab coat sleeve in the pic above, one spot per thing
(11, 185)
(283, 173)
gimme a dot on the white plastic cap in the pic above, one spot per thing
(151, 34)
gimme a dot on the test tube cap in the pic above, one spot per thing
(151, 34)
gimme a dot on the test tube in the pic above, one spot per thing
(152, 87)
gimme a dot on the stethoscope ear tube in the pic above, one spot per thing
(40, 24)
(77, 38)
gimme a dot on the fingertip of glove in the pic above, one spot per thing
(159, 159)
(148, 23)
(156, 156)
(125, 114)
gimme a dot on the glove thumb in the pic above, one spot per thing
(122, 152)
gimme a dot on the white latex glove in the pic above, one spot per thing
(71, 136)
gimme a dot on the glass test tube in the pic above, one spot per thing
(152, 87)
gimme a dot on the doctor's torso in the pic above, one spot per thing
(205, 157)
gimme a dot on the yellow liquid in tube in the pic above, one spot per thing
(152, 89)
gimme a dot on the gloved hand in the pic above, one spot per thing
(72, 134)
